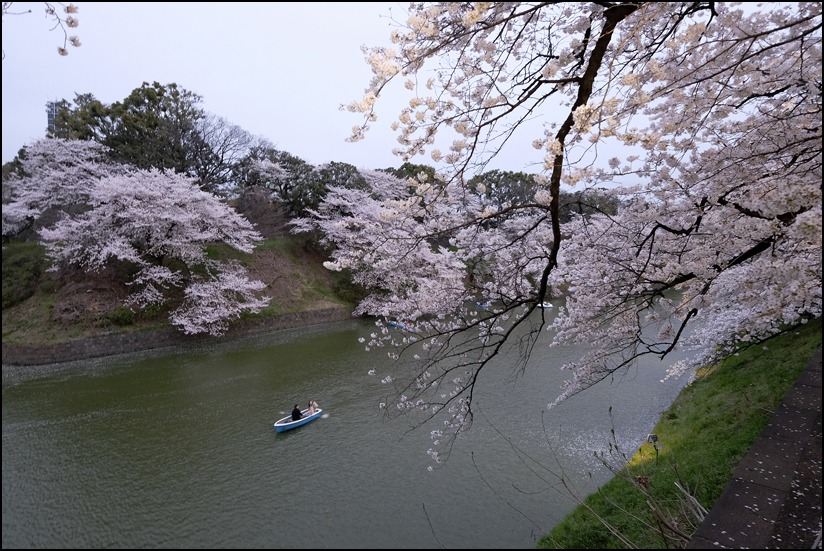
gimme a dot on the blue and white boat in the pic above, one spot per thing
(287, 423)
(404, 325)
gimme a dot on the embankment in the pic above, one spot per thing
(113, 344)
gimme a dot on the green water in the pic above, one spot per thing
(176, 449)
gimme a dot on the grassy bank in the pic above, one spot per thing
(702, 437)
(45, 308)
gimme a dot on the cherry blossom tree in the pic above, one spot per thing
(716, 109)
(62, 16)
(284, 174)
(294, 183)
(53, 174)
(159, 222)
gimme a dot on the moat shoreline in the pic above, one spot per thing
(119, 343)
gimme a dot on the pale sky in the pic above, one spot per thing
(278, 70)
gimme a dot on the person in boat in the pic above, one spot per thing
(296, 413)
(312, 407)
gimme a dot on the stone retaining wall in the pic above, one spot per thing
(109, 345)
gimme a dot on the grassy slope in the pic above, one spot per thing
(81, 305)
(704, 434)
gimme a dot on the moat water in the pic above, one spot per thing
(176, 449)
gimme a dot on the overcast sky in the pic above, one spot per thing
(278, 70)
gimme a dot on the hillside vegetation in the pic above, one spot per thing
(42, 307)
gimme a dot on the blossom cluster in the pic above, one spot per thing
(716, 245)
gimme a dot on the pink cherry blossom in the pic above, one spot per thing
(716, 111)
(160, 222)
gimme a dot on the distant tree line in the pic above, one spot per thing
(166, 127)
(152, 180)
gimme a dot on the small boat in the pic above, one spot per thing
(286, 423)
(404, 325)
(546, 305)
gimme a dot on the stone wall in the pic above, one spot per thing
(109, 345)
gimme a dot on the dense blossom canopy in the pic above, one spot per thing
(716, 108)
(159, 222)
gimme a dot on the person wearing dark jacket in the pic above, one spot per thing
(296, 413)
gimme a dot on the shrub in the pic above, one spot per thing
(23, 267)
(121, 316)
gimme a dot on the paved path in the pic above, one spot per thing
(774, 498)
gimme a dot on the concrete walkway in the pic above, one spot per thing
(774, 498)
